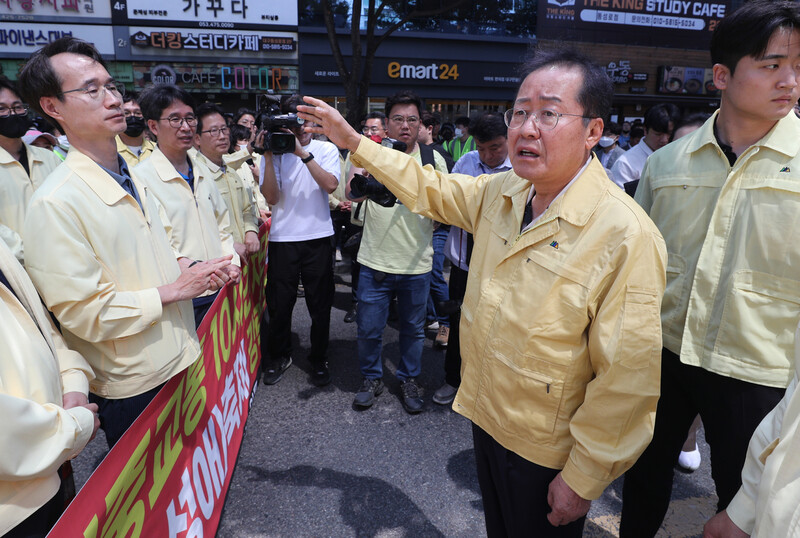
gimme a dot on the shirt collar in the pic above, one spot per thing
(486, 169)
(124, 174)
(781, 138)
(560, 194)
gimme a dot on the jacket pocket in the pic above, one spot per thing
(639, 321)
(521, 400)
(676, 296)
(758, 320)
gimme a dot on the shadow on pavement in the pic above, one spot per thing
(370, 506)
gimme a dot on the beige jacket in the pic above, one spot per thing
(560, 328)
(16, 187)
(97, 261)
(36, 369)
(233, 190)
(131, 158)
(201, 228)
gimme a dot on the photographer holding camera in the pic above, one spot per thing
(297, 176)
(396, 258)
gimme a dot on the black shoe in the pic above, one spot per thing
(370, 389)
(412, 402)
(350, 317)
(276, 369)
(320, 374)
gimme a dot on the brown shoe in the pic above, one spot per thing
(442, 336)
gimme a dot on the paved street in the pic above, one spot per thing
(311, 465)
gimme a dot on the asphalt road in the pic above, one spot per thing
(311, 465)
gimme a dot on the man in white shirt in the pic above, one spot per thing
(296, 187)
(659, 123)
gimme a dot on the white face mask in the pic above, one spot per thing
(242, 146)
(459, 132)
(606, 141)
(63, 142)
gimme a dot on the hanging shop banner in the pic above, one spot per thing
(218, 78)
(208, 13)
(685, 24)
(686, 80)
(417, 71)
(188, 44)
(170, 472)
(120, 71)
(95, 11)
(19, 40)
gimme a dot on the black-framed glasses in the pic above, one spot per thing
(175, 122)
(544, 119)
(97, 92)
(128, 114)
(17, 109)
(215, 131)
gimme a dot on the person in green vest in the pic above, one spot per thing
(463, 141)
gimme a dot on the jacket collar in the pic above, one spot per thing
(106, 188)
(577, 204)
(6, 158)
(783, 137)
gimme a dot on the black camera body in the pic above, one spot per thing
(371, 188)
(272, 122)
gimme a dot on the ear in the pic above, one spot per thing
(196, 140)
(721, 76)
(153, 126)
(594, 131)
(50, 106)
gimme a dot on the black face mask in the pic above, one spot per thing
(15, 125)
(135, 126)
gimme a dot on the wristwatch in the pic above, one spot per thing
(308, 159)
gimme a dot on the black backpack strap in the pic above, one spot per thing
(426, 155)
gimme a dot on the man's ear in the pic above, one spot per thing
(153, 126)
(721, 76)
(50, 106)
(594, 132)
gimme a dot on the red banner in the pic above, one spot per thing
(170, 472)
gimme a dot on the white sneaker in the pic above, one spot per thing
(338, 256)
(433, 326)
(690, 461)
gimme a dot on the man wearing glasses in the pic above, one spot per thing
(560, 332)
(97, 249)
(375, 125)
(396, 258)
(23, 167)
(132, 144)
(296, 187)
(199, 218)
(213, 139)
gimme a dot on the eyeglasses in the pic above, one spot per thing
(216, 131)
(18, 110)
(411, 120)
(374, 129)
(98, 93)
(544, 119)
(175, 122)
(128, 114)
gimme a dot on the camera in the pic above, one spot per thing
(272, 122)
(369, 187)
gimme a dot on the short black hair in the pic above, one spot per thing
(429, 119)
(447, 131)
(637, 132)
(205, 110)
(463, 120)
(747, 31)
(155, 99)
(488, 126)
(38, 79)
(659, 117)
(238, 132)
(597, 90)
(130, 96)
(403, 97)
(243, 112)
(696, 118)
(376, 114)
(289, 104)
(613, 127)
(6, 84)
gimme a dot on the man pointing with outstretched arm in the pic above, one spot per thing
(560, 323)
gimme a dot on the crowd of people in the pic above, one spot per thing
(611, 285)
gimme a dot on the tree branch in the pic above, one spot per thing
(327, 13)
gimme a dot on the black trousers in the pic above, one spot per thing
(344, 229)
(731, 410)
(452, 357)
(514, 492)
(289, 262)
(201, 306)
(116, 416)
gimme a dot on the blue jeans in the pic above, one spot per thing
(439, 292)
(374, 295)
